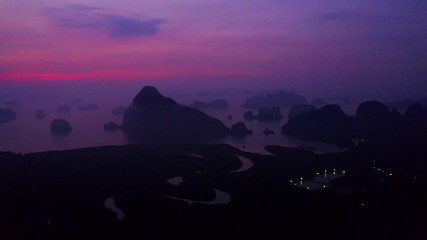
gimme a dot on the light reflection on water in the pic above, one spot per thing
(246, 165)
(258, 140)
(220, 199)
(176, 181)
(110, 204)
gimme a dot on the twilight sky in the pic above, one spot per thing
(357, 44)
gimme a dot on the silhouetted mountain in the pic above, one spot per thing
(239, 130)
(60, 127)
(406, 103)
(215, 104)
(155, 118)
(269, 114)
(415, 113)
(395, 117)
(7, 115)
(373, 116)
(402, 104)
(328, 123)
(63, 109)
(318, 102)
(299, 109)
(280, 98)
(372, 120)
(372, 111)
(151, 98)
(415, 118)
(119, 110)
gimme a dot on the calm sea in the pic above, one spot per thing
(29, 134)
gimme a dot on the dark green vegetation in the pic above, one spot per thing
(68, 188)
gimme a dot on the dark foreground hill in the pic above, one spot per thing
(211, 191)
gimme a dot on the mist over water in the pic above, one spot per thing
(30, 134)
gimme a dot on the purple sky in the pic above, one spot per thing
(361, 45)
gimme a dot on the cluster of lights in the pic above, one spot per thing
(334, 171)
(382, 171)
(301, 179)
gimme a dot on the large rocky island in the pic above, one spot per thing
(331, 124)
(154, 118)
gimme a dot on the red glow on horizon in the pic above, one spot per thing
(98, 75)
(116, 75)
